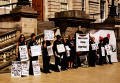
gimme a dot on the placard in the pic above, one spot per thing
(60, 48)
(94, 46)
(82, 42)
(36, 68)
(108, 49)
(67, 48)
(48, 35)
(103, 51)
(50, 51)
(36, 50)
(23, 53)
(16, 69)
(25, 68)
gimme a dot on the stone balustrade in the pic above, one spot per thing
(8, 38)
(8, 52)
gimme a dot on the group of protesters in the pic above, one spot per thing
(68, 59)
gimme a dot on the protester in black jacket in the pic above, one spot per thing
(46, 57)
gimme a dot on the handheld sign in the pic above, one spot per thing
(103, 51)
(23, 53)
(50, 50)
(48, 35)
(94, 46)
(25, 68)
(36, 68)
(108, 49)
(67, 48)
(16, 69)
(60, 48)
(36, 50)
(82, 42)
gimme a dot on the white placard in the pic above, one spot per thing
(36, 68)
(82, 42)
(25, 68)
(16, 69)
(103, 51)
(68, 53)
(36, 50)
(108, 49)
(60, 48)
(67, 48)
(50, 51)
(48, 35)
(23, 53)
(94, 46)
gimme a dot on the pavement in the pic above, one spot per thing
(99, 74)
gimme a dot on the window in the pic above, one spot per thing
(83, 5)
(4, 2)
(64, 6)
(102, 9)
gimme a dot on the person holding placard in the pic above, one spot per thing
(100, 45)
(46, 57)
(66, 55)
(35, 58)
(58, 49)
(106, 43)
(71, 44)
(92, 53)
(21, 42)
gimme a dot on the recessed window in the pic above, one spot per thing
(102, 9)
(64, 6)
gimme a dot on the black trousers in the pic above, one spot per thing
(31, 66)
(46, 63)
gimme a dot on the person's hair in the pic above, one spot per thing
(58, 36)
(21, 36)
(32, 35)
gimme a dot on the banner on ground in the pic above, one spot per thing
(48, 35)
(36, 50)
(36, 68)
(16, 69)
(23, 53)
(82, 42)
(60, 48)
(50, 50)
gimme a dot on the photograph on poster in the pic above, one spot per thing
(23, 53)
(16, 69)
(48, 35)
(36, 68)
(112, 40)
(36, 50)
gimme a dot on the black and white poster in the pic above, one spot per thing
(48, 35)
(23, 53)
(25, 68)
(36, 68)
(108, 49)
(36, 50)
(82, 42)
(50, 51)
(16, 69)
(60, 48)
